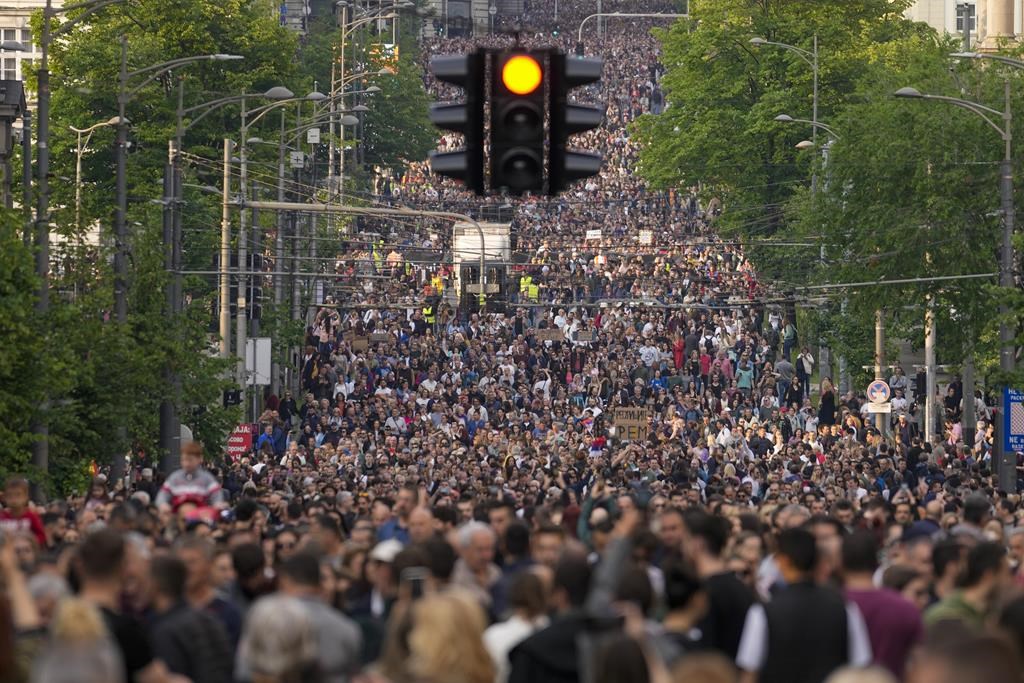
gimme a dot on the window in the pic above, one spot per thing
(10, 34)
(10, 69)
(972, 13)
(26, 39)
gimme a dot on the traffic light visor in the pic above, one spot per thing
(521, 74)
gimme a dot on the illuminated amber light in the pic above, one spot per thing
(521, 75)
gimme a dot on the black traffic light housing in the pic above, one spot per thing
(522, 96)
(467, 164)
(518, 107)
(567, 165)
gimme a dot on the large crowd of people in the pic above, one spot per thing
(635, 473)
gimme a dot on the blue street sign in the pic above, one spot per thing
(1013, 420)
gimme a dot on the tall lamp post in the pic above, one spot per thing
(249, 118)
(622, 15)
(124, 95)
(811, 57)
(80, 146)
(348, 25)
(170, 427)
(40, 422)
(1007, 462)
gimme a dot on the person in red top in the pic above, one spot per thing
(16, 517)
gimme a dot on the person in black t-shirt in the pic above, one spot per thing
(100, 565)
(687, 604)
(704, 538)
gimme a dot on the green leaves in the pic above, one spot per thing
(910, 190)
(104, 379)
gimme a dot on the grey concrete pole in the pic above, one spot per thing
(40, 422)
(929, 369)
(880, 418)
(1007, 349)
(120, 211)
(225, 256)
(241, 333)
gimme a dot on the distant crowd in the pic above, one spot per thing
(637, 472)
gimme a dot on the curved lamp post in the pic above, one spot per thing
(1007, 461)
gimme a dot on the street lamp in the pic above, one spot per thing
(79, 149)
(811, 57)
(170, 428)
(599, 14)
(338, 91)
(248, 118)
(786, 118)
(124, 95)
(988, 55)
(278, 93)
(1007, 462)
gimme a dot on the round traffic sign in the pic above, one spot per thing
(878, 391)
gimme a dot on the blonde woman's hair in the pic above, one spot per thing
(446, 641)
(80, 650)
(871, 674)
(77, 622)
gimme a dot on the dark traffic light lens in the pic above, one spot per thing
(522, 121)
(520, 169)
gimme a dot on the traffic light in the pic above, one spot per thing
(567, 165)
(518, 96)
(467, 164)
(525, 97)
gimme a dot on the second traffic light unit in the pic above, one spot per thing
(516, 120)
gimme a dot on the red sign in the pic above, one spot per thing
(240, 441)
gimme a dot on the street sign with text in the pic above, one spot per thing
(1013, 420)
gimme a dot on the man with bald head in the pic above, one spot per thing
(422, 525)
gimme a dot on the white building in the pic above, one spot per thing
(15, 17)
(991, 20)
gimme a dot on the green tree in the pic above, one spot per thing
(105, 379)
(912, 193)
(397, 129)
(724, 93)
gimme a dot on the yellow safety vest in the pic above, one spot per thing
(428, 314)
(524, 283)
(534, 292)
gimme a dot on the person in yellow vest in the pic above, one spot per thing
(429, 315)
(534, 292)
(525, 281)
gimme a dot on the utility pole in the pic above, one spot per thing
(968, 420)
(880, 418)
(929, 370)
(40, 422)
(120, 219)
(225, 256)
(1007, 346)
(241, 333)
(275, 374)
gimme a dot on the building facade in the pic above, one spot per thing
(991, 22)
(15, 18)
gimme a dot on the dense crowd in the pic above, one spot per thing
(636, 473)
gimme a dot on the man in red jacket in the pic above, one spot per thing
(16, 517)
